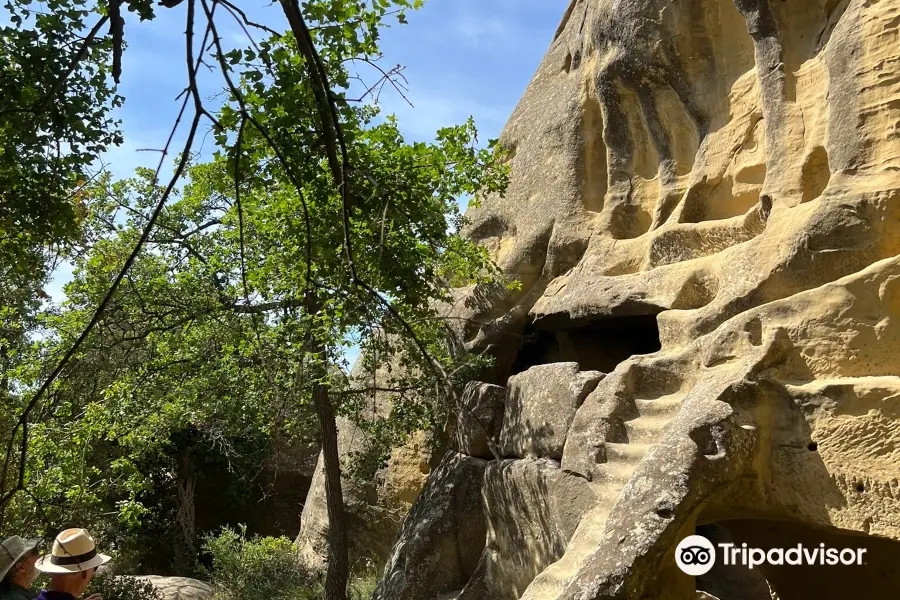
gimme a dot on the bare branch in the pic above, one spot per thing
(386, 77)
(246, 20)
(240, 210)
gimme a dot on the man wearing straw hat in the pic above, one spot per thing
(17, 572)
(71, 565)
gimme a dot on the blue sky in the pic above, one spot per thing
(462, 58)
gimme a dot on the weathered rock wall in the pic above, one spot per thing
(704, 207)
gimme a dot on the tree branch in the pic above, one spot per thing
(6, 494)
(57, 86)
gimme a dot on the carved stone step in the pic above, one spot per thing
(646, 428)
(628, 453)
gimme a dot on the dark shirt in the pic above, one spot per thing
(48, 595)
(13, 591)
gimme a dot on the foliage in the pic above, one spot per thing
(261, 567)
(55, 121)
(176, 352)
(362, 587)
(111, 587)
(263, 263)
(248, 568)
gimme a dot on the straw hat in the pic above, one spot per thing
(73, 551)
(12, 550)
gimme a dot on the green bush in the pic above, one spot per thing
(122, 588)
(260, 567)
(362, 587)
(267, 567)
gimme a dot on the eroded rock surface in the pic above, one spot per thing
(443, 536)
(540, 406)
(374, 508)
(180, 588)
(532, 508)
(475, 429)
(704, 207)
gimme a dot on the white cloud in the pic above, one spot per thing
(483, 32)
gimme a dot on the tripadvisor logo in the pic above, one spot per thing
(696, 555)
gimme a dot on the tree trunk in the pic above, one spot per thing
(185, 531)
(338, 561)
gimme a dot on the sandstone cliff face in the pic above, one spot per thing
(704, 217)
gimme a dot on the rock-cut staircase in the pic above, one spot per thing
(622, 460)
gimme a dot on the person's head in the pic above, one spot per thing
(24, 572)
(17, 560)
(72, 583)
(72, 562)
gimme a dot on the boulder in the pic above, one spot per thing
(180, 588)
(540, 406)
(442, 536)
(475, 427)
(532, 509)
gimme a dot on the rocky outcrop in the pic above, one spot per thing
(704, 207)
(374, 508)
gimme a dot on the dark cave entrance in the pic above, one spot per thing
(877, 578)
(596, 345)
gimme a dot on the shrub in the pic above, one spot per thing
(260, 567)
(361, 587)
(122, 588)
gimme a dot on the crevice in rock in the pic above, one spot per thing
(596, 177)
(835, 10)
(876, 578)
(816, 174)
(596, 345)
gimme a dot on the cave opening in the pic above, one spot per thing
(876, 578)
(596, 345)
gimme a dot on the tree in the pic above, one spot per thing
(315, 221)
(55, 122)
